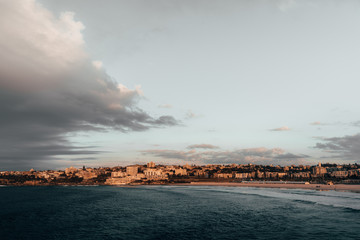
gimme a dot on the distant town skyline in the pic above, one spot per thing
(175, 82)
(248, 175)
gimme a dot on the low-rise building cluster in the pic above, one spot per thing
(163, 174)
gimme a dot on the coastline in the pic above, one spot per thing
(319, 187)
(336, 187)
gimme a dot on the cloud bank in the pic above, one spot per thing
(346, 148)
(240, 156)
(49, 87)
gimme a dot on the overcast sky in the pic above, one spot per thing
(105, 83)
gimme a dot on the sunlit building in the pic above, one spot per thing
(180, 171)
(132, 170)
(151, 165)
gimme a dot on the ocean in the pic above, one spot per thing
(176, 212)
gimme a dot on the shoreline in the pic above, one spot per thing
(320, 187)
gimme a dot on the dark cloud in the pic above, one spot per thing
(50, 88)
(346, 148)
(355, 124)
(202, 146)
(84, 159)
(241, 156)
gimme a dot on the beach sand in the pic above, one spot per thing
(336, 187)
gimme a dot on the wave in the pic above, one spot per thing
(347, 200)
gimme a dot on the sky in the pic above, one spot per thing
(107, 83)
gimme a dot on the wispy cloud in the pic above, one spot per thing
(284, 128)
(202, 146)
(190, 114)
(285, 5)
(351, 124)
(317, 123)
(165, 106)
(355, 124)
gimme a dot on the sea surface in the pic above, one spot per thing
(176, 212)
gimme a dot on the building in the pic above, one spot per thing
(152, 173)
(319, 171)
(118, 174)
(241, 175)
(271, 175)
(70, 170)
(201, 173)
(354, 172)
(86, 174)
(259, 174)
(151, 165)
(282, 174)
(132, 170)
(339, 174)
(301, 175)
(224, 175)
(180, 171)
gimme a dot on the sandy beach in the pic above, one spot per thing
(336, 187)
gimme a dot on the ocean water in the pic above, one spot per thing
(176, 212)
